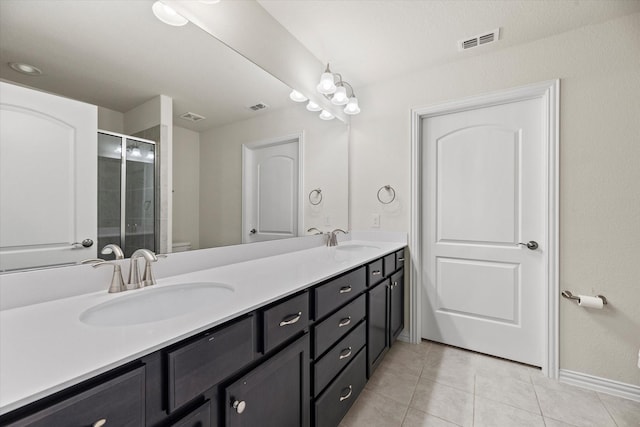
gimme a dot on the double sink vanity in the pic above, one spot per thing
(286, 339)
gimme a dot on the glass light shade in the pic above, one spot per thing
(135, 152)
(150, 155)
(168, 15)
(312, 106)
(23, 68)
(352, 106)
(340, 96)
(326, 85)
(297, 96)
(325, 115)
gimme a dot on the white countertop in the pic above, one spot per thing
(45, 348)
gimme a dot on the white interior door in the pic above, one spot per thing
(48, 182)
(483, 194)
(270, 190)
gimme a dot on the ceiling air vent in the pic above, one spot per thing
(479, 40)
(192, 117)
(259, 106)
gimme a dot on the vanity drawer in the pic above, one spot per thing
(338, 357)
(400, 258)
(337, 325)
(389, 264)
(374, 272)
(338, 291)
(336, 400)
(119, 402)
(198, 366)
(285, 320)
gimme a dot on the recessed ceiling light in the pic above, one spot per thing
(23, 68)
(168, 15)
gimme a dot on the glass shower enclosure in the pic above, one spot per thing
(126, 192)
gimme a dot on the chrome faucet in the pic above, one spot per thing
(134, 281)
(117, 283)
(332, 240)
(316, 231)
(114, 249)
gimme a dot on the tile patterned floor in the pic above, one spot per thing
(432, 385)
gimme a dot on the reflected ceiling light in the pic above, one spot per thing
(168, 15)
(297, 96)
(312, 106)
(135, 152)
(325, 115)
(23, 68)
(334, 88)
(150, 155)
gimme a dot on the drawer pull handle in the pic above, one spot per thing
(348, 395)
(291, 319)
(344, 322)
(400, 259)
(345, 353)
(345, 289)
(376, 272)
(239, 406)
(99, 423)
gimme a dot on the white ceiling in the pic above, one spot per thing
(369, 41)
(116, 54)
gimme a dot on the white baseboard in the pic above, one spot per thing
(602, 385)
(404, 336)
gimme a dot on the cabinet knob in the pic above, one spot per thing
(344, 322)
(348, 391)
(239, 406)
(290, 320)
(345, 289)
(99, 423)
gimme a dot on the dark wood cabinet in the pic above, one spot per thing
(274, 394)
(375, 272)
(330, 330)
(118, 401)
(200, 417)
(377, 320)
(336, 292)
(396, 305)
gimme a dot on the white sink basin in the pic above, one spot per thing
(355, 248)
(155, 304)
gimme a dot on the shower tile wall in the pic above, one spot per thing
(108, 201)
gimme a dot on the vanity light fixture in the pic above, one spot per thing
(167, 15)
(325, 115)
(312, 106)
(297, 96)
(23, 68)
(334, 88)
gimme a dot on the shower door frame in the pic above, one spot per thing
(123, 186)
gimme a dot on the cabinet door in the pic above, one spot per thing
(274, 394)
(396, 304)
(200, 417)
(377, 317)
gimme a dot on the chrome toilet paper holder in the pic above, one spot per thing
(569, 295)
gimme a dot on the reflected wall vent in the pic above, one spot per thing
(259, 106)
(192, 117)
(479, 40)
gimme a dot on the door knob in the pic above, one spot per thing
(86, 243)
(531, 244)
(253, 231)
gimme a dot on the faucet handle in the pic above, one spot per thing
(147, 277)
(340, 230)
(317, 231)
(117, 282)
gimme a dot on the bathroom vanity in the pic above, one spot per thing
(293, 345)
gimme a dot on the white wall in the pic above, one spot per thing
(186, 186)
(599, 68)
(110, 120)
(325, 166)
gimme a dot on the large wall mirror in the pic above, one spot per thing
(222, 109)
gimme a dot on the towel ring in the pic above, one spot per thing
(318, 196)
(389, 189)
